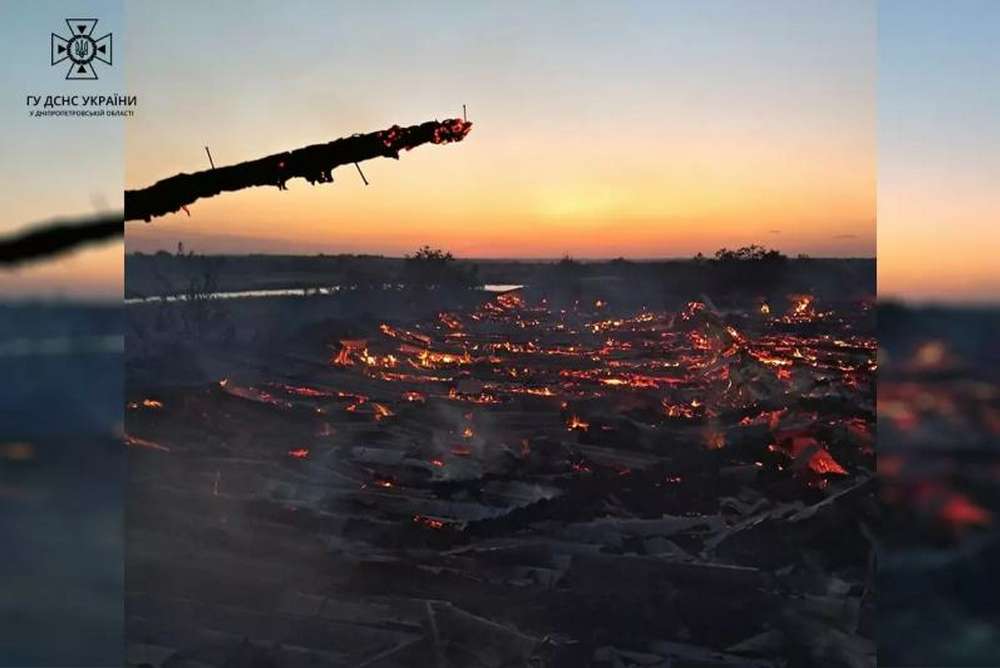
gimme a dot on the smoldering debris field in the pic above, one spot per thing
(574, 473)
(939, 425)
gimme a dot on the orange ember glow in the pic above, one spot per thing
(820, 460)
(950, 506)
(801, 304)
(715, 440)
(349, 347)
(382, 411)
(450, 321)
(958, 510)
(726, 381)
(146, 403)
(429, 522)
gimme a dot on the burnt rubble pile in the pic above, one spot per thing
(522, 483)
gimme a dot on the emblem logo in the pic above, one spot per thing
(81, 49)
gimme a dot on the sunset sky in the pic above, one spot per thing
(939, 150)
(655, 129)
(58, 167)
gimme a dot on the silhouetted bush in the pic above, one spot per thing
(751, 253)
(433, 267)
(748, 269)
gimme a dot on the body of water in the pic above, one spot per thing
(290, 292)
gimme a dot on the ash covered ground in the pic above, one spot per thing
(588, 471)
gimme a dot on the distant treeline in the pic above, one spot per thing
(752, 270)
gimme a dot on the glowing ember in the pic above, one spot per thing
(820, 460)
(450, 321)
(348, 349)
(300, 453)
(381, 411)
(145, 403)
(958, 510)
(715, 440)
(801, 305)
(429, 522)
(950, 506)
(404, 335)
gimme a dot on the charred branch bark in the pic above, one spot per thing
(58, 236)
(314, 163)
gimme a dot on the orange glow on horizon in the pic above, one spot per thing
(937, 236)
(459, 198)
(91, 273)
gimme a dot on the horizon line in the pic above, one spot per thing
(580, 258)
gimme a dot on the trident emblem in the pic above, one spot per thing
(81, 49)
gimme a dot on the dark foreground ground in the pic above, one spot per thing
(585, 472)
(62, 469)
(939, 423)
(233, 538)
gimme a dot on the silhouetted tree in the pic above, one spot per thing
(433, 266)
(751, 253)
(750, 268)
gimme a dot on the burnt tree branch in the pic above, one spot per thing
(314, 163)
(58, 236)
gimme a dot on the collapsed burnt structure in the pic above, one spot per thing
(529, 481)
